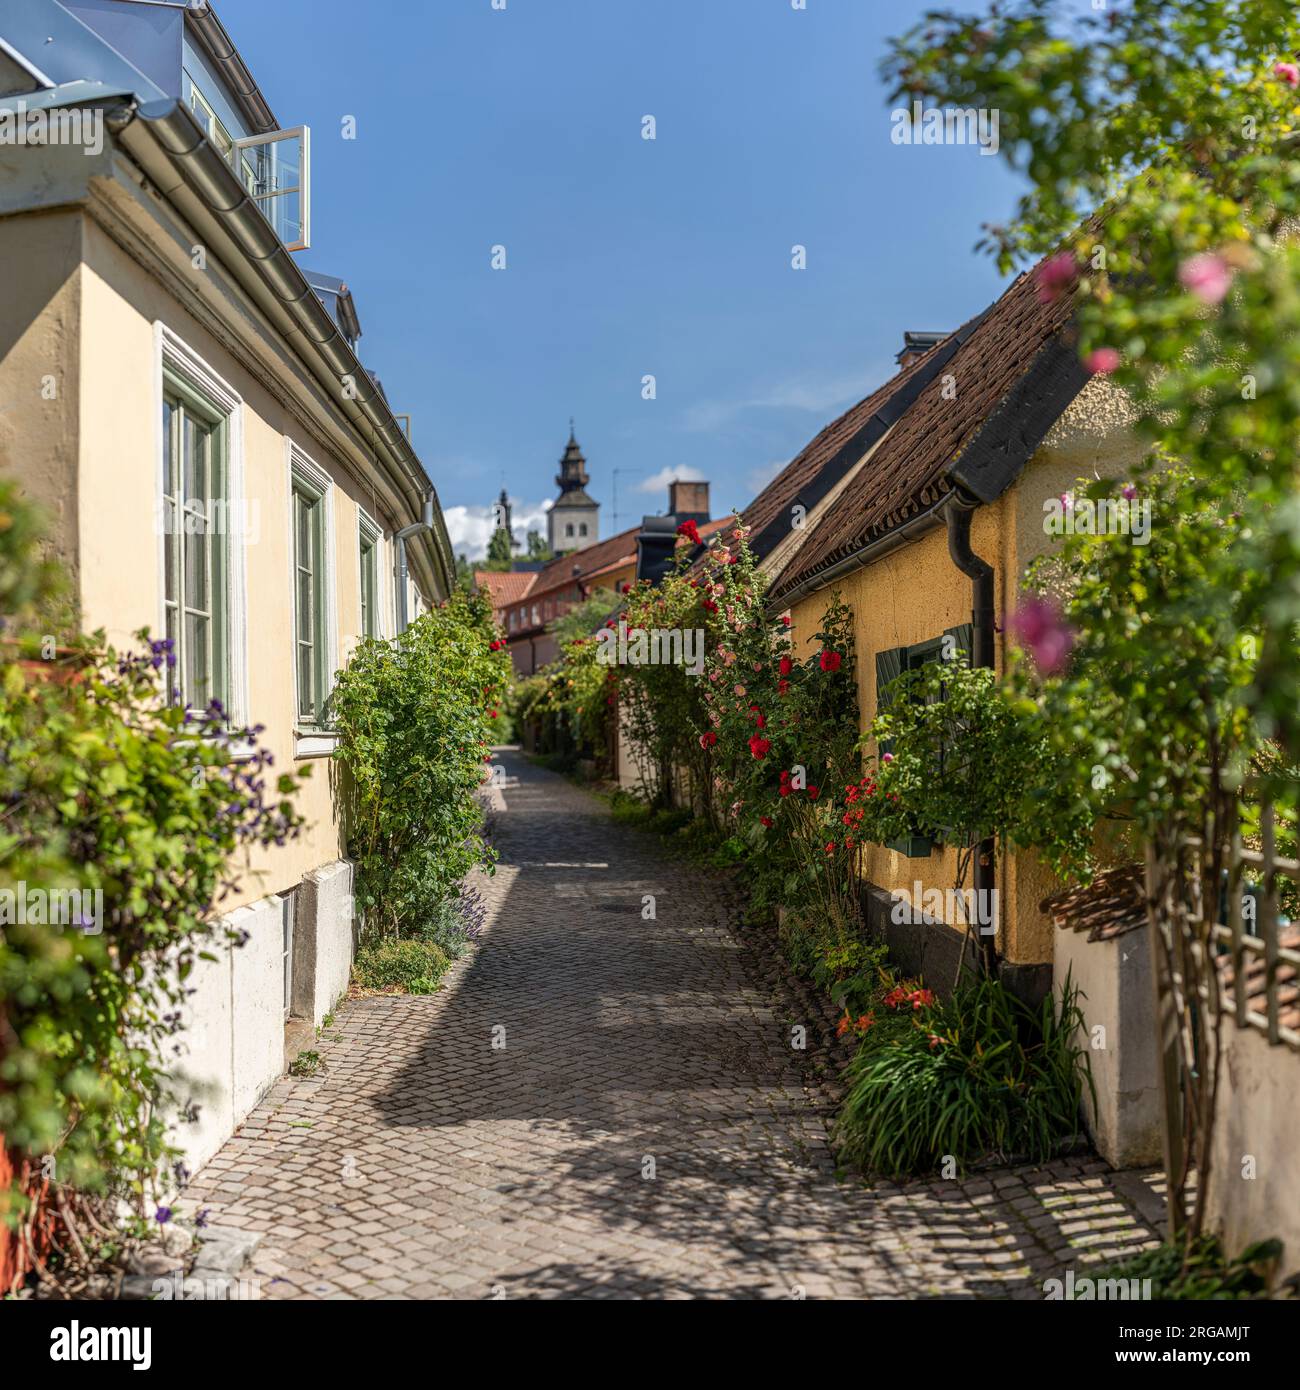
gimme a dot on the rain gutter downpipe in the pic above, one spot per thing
(959, 510)
(399, 541)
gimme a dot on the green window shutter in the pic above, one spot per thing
(889, 666)
(964, 635)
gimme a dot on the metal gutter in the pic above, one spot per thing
(173, 131)
(219, 48)
(918, 525)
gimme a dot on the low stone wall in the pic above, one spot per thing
(233, 1042)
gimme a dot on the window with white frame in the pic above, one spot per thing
(195, 560)
(310, 498)
(369, 536)
(200, 520)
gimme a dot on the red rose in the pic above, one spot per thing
(786, 665)
(782, 687)
(831, 661)
(758, 746)
(767, 821)
(814, 793)
(786, 789)
(708, 739)
(690, 531)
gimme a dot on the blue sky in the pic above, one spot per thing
(625, 257)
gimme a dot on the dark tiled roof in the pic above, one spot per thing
(773, 504)
(1112, 904)
(909, 471)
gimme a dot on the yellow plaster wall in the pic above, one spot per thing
(86, 309)
(915, 593)
(40, 320)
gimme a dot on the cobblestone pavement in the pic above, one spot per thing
(646, 1131)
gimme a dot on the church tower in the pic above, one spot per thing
(573, 523)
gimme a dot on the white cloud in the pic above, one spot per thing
(470, 528)
(816, 395)
(758, 478)
(658, 482)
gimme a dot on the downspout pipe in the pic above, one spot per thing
(399, 541)
(959, 510)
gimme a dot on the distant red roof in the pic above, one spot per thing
(504, 587)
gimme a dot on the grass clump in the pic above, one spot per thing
(401, 967)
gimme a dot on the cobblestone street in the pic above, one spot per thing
(646, 1131)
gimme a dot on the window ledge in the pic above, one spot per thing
(239, 750)
(313, 743)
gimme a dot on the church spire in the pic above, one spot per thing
(573, 467)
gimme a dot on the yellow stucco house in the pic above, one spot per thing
(187, 406)
(922, 507)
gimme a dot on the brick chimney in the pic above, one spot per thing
(916, 345)
(688, 501)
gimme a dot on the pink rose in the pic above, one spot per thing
(1039, 626)
(1288, 72)
(1102, 360)
(1208, 277)
(1056, 274)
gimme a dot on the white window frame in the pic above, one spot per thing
(302, 134)
(301, 468)
(172, 354)
(369, 532)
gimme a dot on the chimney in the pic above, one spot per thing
(916, 345)
(688, 501)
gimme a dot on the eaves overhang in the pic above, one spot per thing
(171, 131)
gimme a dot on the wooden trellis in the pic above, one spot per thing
(1211, 961)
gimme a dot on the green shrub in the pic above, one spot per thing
(977, 1076)
(416, 967)
(629, 810)
(455, 922)
(414, 716)
(1202, 1273)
